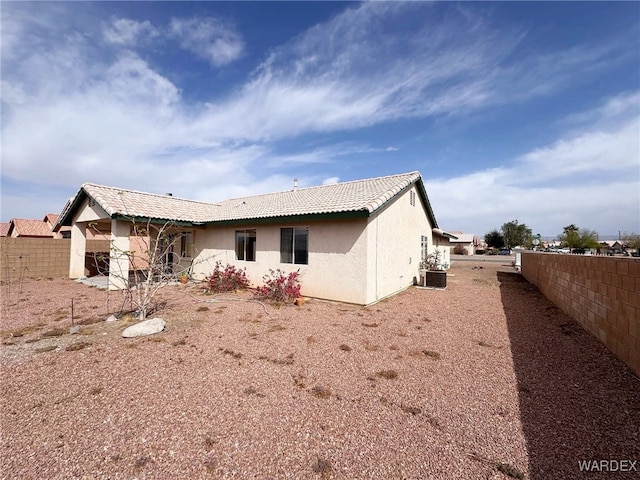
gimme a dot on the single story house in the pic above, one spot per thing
(356, 242)
(467, 241)
(611, 246)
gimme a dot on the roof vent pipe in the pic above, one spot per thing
(169, 194)
(295, 184)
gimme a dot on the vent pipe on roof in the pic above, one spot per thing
(295, 184)
(169, 194)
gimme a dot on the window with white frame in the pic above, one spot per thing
(424, 248)
(294, 245)
(246, 245)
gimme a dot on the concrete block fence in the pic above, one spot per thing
(39, 258)
(601, 293)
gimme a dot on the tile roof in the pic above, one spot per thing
(51, 218)
(364, 196)
(31, 228)
(131, 203)
(4, 229)
(355, 196)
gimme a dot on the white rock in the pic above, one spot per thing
(146, 327)
(111, 318)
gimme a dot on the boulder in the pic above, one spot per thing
(146, 327)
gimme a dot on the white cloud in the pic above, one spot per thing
(601, 142)
(611, 111)
(330, 77)
(131, 81)
(591, 152)
(590, 178)
(117, 119)
(12, 94)
(330, 180)
(127, 32)
(320, 155)
(112, 122)
(208, 38)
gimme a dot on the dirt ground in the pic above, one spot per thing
(485, 379)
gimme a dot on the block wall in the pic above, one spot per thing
(22, 258)
(601, 293)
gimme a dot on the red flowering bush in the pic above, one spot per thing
(227, 279)
(279, 286)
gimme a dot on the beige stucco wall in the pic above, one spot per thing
(444, 245)
(80, 232)
(90, 212)
(394, 239)
(337, 257)
(360, 260)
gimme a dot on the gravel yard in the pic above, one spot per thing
(483, 380)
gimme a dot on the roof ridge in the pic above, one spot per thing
(322, 186)
(151, 194)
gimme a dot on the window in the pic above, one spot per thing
(186, 244)
(246, 245)
(424, 248)
(294, 245)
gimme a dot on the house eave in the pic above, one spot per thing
(442, 233)
(280, 219)
(156, 221)
(422, 192)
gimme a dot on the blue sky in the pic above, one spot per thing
(510, 110)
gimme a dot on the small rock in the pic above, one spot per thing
(75, 329)
(111, 318)
(146, 327)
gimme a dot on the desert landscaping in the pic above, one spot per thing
(485, 379)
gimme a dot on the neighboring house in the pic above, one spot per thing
(355, 242)
(611, 247)
(29, 228)
(23, 227)
(51, 219)
(468, 241)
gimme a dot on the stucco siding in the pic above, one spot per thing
(394, 239)
(336, 266)
(90, 212)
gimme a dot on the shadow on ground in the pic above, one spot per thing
(577, 401)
